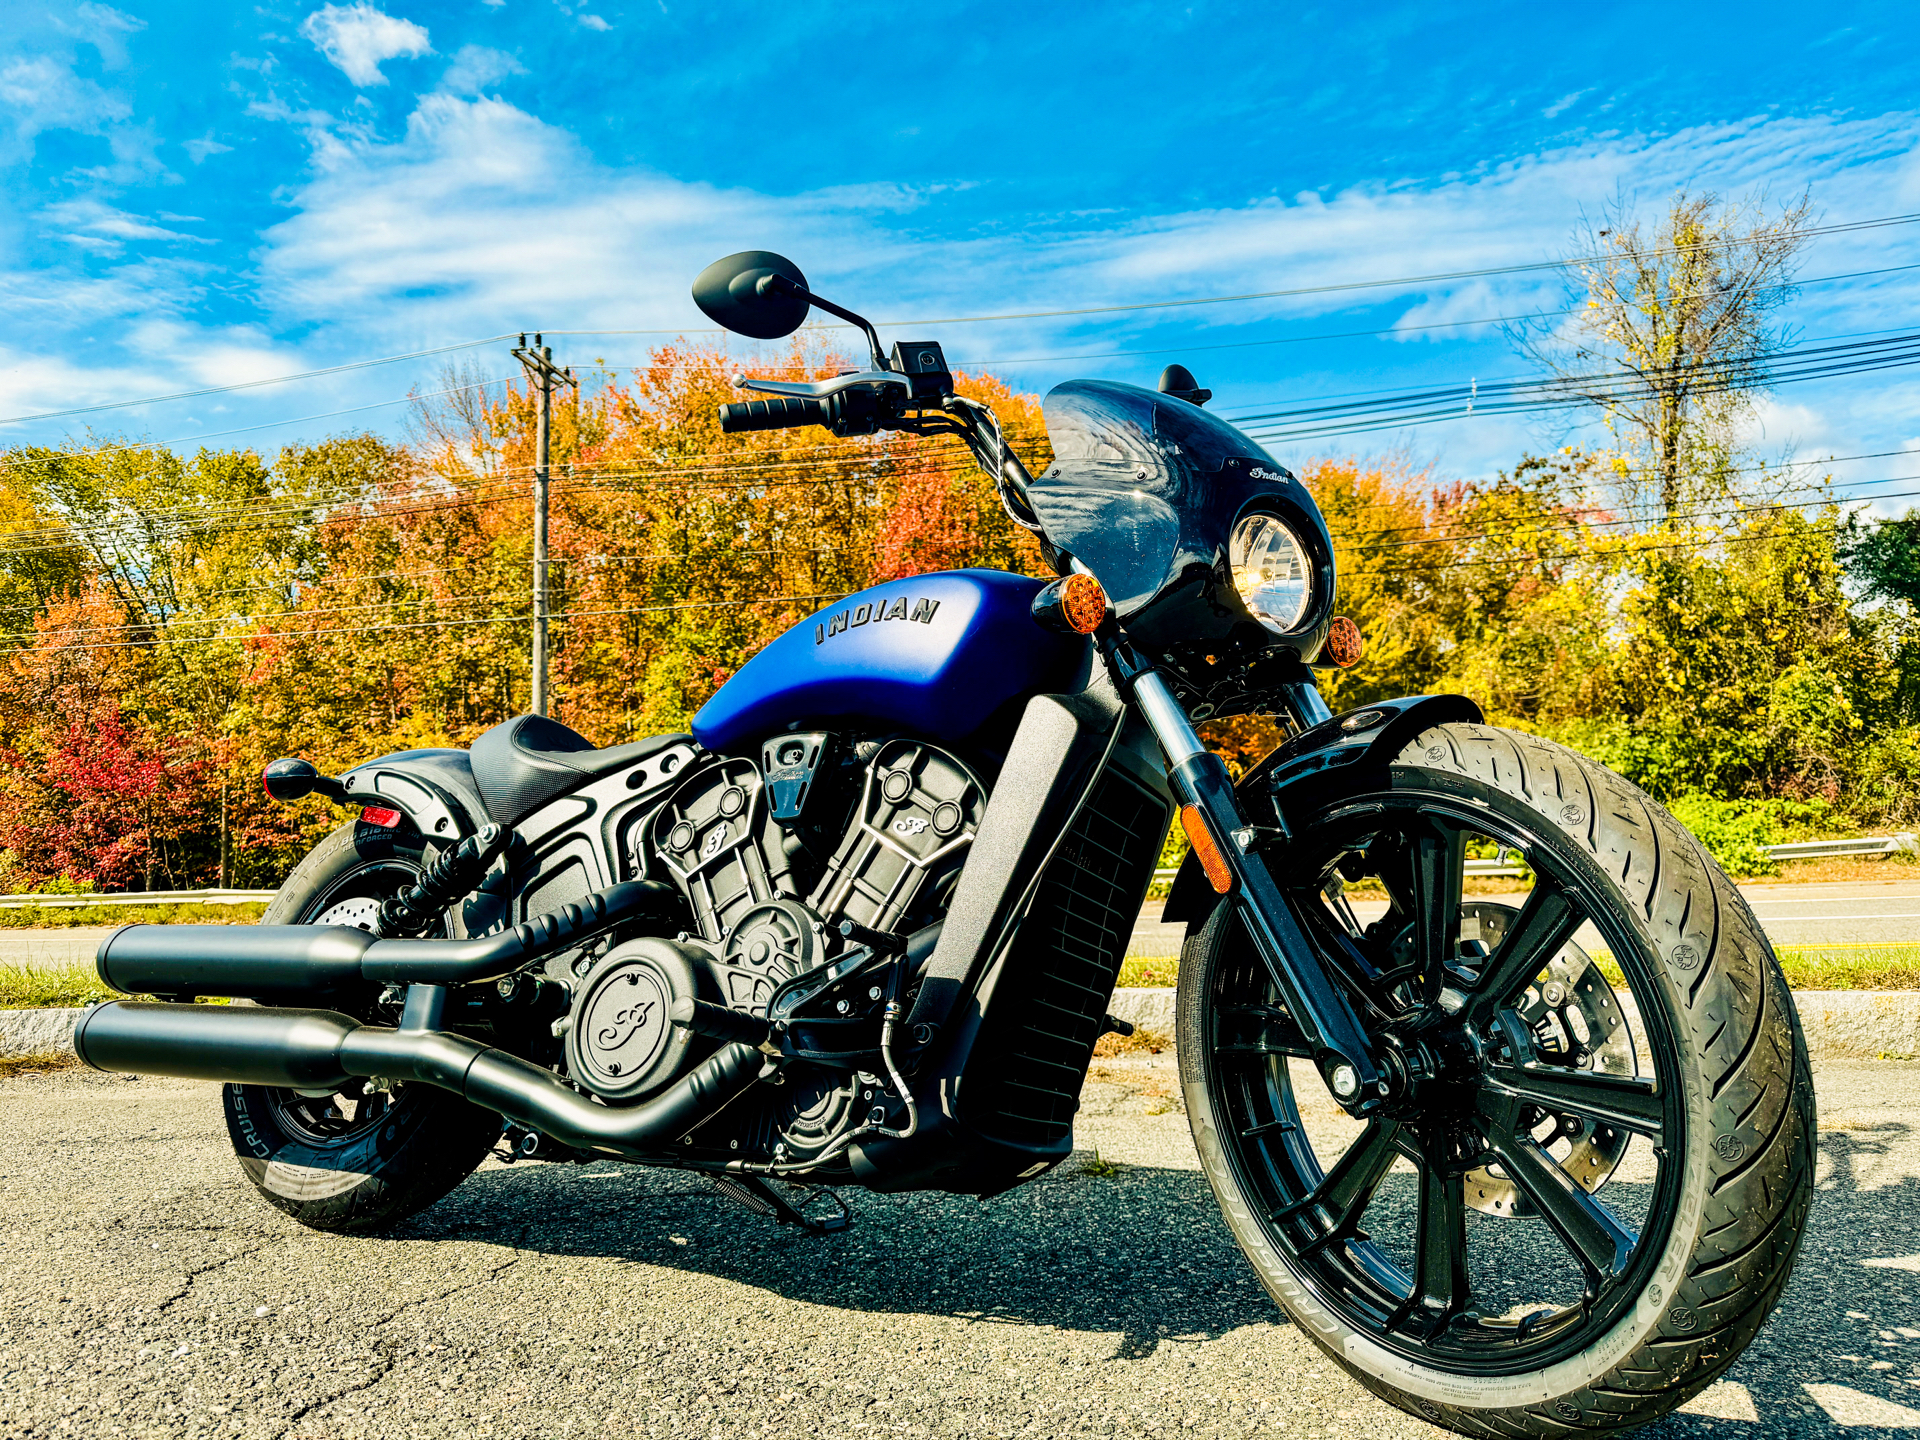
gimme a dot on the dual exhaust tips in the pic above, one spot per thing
(324, 1050)
(321, 1050)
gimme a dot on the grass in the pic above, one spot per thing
(1142, 1042)
(11, 1066)
(56, 917)
(30, 988)
(1845, 967)
(1149, 971)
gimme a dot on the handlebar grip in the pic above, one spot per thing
(780, 413)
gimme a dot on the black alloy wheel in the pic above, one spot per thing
(1498, 1084)
(1587, 1185)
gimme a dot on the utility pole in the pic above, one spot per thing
(544, 375)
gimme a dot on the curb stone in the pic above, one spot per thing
(38, 1033)
(1853, 1025)
(1838, 1024)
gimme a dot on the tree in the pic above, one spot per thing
(1884, 558)
(1671, 335)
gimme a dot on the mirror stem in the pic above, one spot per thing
(781, 285)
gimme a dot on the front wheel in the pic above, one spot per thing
(1589, 1190)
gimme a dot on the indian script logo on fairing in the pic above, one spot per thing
(874, 612)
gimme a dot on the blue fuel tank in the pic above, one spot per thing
(937, 655)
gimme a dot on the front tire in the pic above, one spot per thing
(1639, 1291)
(364, 1159)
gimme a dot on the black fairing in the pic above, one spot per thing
(1144, 491)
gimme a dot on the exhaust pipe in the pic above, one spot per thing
(310, 963)
(322, 1050)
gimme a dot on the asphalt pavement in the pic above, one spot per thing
(1792, 913)
(145, 1291)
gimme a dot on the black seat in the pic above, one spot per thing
(523, 763)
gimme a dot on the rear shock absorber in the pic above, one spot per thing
(452, 874)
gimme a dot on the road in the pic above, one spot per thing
(144, 1291)
(1792, 914)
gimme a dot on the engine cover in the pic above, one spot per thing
(724, 851)
(919, 808)
(621, 1042)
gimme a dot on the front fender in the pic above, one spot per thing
(1367, 736)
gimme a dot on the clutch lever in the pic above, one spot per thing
(817, 389)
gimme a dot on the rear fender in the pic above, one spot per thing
(1344, 748)
(433, 789)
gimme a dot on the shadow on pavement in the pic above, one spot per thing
(1144, 1252)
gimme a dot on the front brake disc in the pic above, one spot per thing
(1576, 1021)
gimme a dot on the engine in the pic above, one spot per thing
(771, 859)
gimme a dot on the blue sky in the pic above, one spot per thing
(196, 195)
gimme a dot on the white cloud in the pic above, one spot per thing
(102, 219)
(357, 38)
(594, 22)
(199, 150)
(475, 67)
(45, 94)
(103, 27)
(1562, 104)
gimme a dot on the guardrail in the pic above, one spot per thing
(139, 898)
(1497, 866)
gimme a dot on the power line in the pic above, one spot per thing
(1735, 511)
(835, 595)
(503, 486)
(1388, 330)
(1499, 533)
(1402, 281)
(445, 624)
(1508, 397)
(1621, 550)
(1405, 281)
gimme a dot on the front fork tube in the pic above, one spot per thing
(1341, 1048)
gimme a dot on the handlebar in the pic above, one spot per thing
(781, 413)
(777, 414)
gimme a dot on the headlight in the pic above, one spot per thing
(1271, 572)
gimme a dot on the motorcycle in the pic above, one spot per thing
(1536, 1169)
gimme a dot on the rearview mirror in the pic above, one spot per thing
(732, 293)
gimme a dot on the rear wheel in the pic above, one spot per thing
(373, 1154)
(1591, 1190)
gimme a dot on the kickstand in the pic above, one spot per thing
(756, 1195)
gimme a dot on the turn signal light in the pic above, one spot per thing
(1075, 604)
(1209, 854)
(1344, 644)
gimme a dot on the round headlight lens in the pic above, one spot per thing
(1271, 571)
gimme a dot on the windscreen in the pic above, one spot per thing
(1141, 484)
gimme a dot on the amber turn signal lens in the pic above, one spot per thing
(1212, 861)
(1074, 603)
(1344, 644)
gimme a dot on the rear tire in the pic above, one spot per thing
(361, 1160)
(1708, 1265)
